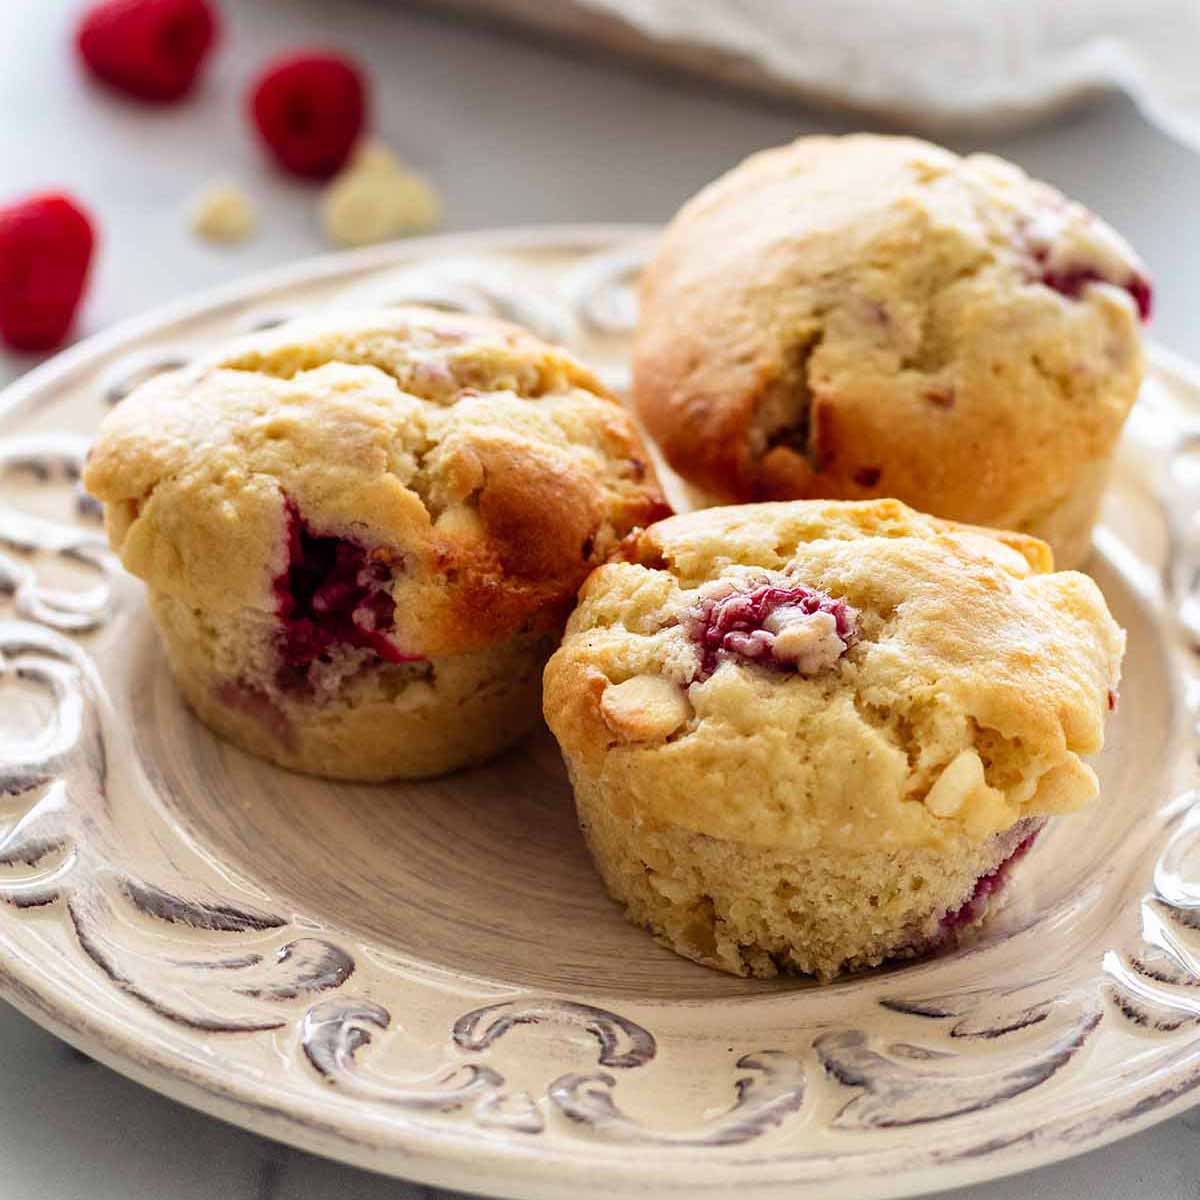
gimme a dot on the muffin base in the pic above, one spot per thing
(760, 911)
(380, 722)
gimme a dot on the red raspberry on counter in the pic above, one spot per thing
(151, 49)
(46, 244)
(310, 109)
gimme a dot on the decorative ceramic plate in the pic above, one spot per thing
(427, 979)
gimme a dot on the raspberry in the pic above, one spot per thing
(753, 625)
(976, 904)
(331, 595)
(151, 49)
(46, 246)
(310, 109)
(1071, 283)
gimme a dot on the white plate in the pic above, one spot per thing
(428, 980)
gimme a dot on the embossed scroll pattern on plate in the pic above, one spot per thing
(902, 1050)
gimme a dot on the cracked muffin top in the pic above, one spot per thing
(875, 316)
(850, 674)
(469, 475)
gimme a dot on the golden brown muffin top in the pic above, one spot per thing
(849, 674)
(872, 316)
(481, 472)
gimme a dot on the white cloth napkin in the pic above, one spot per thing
(948, 63)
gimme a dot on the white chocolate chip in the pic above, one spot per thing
(962, 792)
(223, 213)
(1067, 787)
(371, 155)
(377, 197)
(809, 641)
(675, 890)
(961, 777)
(645, 708)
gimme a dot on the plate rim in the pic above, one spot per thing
(457, 1160)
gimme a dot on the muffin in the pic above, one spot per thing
(866, 316)
(809, 736)
(362, 534)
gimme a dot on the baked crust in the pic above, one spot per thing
(874, 316)
(762, 811)
(490, 469)
(976, 680)
(362, 534)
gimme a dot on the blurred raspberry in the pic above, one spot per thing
(46, 244)
(310, 109)
(152, 49)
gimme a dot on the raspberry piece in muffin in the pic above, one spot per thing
(362, 535)
(332, 594)
(764, 815)
(1072, 249)
(781, 625)
(973, 910)
(872, 316)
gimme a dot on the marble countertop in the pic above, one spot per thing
(516, 133)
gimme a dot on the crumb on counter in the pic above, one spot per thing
(377, 197)
(223, 212)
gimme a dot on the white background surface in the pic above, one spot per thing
(515, 132)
